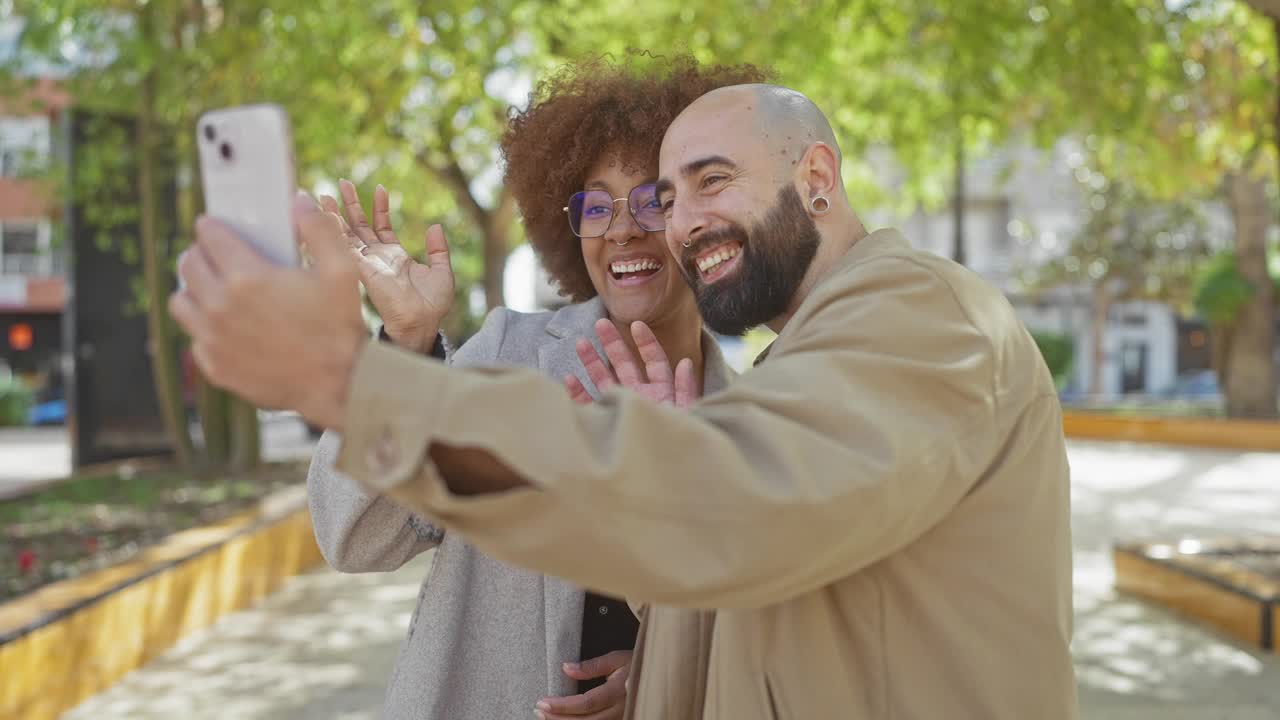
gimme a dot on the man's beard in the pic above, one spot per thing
(772, 263)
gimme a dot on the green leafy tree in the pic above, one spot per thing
(1197, 114)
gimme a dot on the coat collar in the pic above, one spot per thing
(880, 242)
(570, 320)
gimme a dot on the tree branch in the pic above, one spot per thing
(1270, 8)
(450, 173)
(505, 209)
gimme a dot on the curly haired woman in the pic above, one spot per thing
(488, 640)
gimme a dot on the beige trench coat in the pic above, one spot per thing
(875, 517)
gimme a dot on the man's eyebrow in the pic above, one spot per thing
(690, 168)
(694, 166)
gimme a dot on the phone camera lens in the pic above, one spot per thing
(209, 133)
(225, 149)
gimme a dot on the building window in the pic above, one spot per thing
(20, 249)
(24, 145)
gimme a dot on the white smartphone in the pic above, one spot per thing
(246, 165)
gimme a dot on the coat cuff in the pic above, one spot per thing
(439, 349)
(396, 404)
(389, 425)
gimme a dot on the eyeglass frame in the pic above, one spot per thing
(613, 213)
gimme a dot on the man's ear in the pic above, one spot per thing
(819, 172)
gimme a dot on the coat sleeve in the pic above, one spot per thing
(361, 531)
(871, 419)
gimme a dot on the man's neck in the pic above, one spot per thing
(679, 338)
(824, 261)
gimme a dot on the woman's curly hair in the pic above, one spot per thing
(584, 110)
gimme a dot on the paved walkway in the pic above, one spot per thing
(323, 647)
(34, 457)
(31, 457)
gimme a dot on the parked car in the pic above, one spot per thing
(52, 412)
(1197, 384)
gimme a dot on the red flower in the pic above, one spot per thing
(26, 560)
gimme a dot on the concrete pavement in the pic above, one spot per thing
(323, 648)
(32, 456)
(1133, 660)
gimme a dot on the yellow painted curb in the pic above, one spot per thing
(73, 639)
(1197, 432)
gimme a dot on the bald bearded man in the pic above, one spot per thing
(872, 523)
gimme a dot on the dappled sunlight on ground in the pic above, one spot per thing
(1135, 661)
(323, 647)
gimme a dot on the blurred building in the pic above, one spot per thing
(1022, 207)
(33, 288)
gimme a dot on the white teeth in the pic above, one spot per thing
(709, 262)
(635, 266)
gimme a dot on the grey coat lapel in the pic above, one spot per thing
(558, 358)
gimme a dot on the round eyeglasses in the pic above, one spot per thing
(591, 212)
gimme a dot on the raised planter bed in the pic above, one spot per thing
(1233, 585)
(187, 554)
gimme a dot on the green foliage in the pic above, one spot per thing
(15, 401)
(414, 94)
(1220, 291)
(1196, 103)
(1059, 354)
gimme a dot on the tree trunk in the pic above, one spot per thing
(246, 438)
(1250, 388)
(1101, 309)
(164, 363)
(497, 245)
(495, 257)
(958, 201)
(1220, 352)
(495, 224)
(214, 406)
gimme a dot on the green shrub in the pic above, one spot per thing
(15, 401)
(1059, 353)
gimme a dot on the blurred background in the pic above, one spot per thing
(1112, 166)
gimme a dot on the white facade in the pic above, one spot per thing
(1023, 208)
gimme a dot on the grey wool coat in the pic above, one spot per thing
(486, 640)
